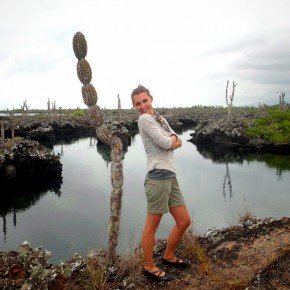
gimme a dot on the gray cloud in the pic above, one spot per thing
(268, 64)
(261, 67)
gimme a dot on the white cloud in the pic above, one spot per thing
(184, 51)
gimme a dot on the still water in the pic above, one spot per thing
(217, 189)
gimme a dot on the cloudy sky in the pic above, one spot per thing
(183, 51)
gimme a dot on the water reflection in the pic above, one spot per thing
(17, 200)
(221, 156)
(66, 140)
(105, 151)
(116, 194)
(280, 162)
(227, 184)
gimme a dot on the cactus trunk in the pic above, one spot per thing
(90, 98)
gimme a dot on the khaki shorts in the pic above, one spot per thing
(162, 194)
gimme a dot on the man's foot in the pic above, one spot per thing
(176, 262)
(157, 274)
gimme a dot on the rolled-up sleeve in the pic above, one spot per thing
(149, 126)
(171, 131)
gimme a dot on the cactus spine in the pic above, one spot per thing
(103, 133)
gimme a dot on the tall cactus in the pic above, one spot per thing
(48, 106)
(119, 108)
(90, 98)
(282, 103)
(230, 98)
(2, 133)
(12, 126)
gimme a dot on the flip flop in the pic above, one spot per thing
(178, 263)
(155, 275)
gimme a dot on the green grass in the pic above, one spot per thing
(275, 127)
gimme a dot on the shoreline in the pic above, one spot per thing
(240, 256)
(212, 127)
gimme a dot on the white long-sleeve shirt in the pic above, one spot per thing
(157, 143)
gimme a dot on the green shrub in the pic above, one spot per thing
(275, 127)
(78, 113)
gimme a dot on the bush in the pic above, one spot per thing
(275, 127)
(79, 113)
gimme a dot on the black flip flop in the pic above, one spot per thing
(178, 263)
(155, 275)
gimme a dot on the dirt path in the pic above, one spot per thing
(255, 256)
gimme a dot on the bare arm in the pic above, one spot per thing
(176, 142)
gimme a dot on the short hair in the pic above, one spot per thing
(140, 89)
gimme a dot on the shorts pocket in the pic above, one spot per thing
(153, 189)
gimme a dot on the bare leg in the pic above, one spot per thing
(182, 219)
(148, 241)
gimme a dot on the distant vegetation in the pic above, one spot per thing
(199, 109)
(79, 113)
(273, 127)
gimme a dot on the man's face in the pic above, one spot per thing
(143, 103)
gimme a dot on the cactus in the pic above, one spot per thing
(96, 116)
(103, 133)
(119, 102)
(13, 122)
(116, 196)
(24, 109)
(53, 109)
(84, 71)
(88, 91)
(48, 106)
(79, 45)
(2, 133)
(282, 103)
(90, 96)
(230, 98)
(119, 108)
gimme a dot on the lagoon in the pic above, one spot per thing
(217, 189)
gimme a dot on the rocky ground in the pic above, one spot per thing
(221, 133)
(252, 255)
(26, 162)
(224, 134)
(46, 131)
(212, 126)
